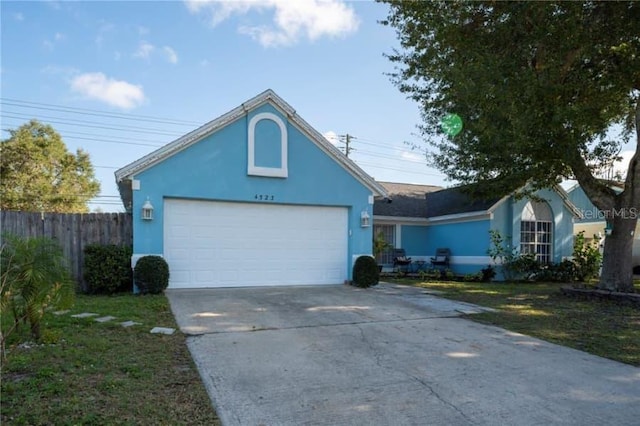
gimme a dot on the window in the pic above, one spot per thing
(389, 234)
(270, 166)
(536, 231)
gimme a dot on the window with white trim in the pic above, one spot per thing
(388, 232)
(536, 231)
(261, 170)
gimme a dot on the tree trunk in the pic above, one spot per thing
(617, 267)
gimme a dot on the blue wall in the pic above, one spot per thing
(462, 238)
(591, 213)
(215, 168)
(562, 223)
(413, 239)
(469, 241)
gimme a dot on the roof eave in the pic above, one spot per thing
(130, 170)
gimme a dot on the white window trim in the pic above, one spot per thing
(254, 170)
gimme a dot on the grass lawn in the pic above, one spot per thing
(101, 373)
(600, 327)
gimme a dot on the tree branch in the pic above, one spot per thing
(600, 194)
(631, 191)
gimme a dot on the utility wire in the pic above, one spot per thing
(99, 113)
(74, 121)
(147, 131)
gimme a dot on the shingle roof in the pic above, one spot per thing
(456, 200)
(407, 200)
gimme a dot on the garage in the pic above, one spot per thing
(255, 197)
(232, 244)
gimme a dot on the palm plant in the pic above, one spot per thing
(34, 276)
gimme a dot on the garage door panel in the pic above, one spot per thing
(220, 244)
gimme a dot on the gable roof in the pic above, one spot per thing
(430, 202)
(456, 201)
(404, 200)
(128, 172)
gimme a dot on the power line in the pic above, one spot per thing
(74, 121)
(376, 166)
(118, 142)
(101, 113)
(128, 129)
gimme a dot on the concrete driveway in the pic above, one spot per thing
(391, 355)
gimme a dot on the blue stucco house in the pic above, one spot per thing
(422, 218)
(255, 197)
(593, 221)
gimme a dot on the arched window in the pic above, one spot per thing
(536, 231)
(267, 148)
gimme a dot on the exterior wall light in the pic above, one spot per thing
(147, 210)
(365, 220)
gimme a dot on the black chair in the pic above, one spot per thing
(400, 259)
(441, 258)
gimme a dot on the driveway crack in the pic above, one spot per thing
(185, 329)
(374, 351)
(440, 398)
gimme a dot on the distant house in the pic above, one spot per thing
(426, 218)
(593, 221)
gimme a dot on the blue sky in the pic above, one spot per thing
(120, 79)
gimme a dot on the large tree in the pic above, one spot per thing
(38, 173)
(539, 86)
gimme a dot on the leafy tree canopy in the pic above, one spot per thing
(538, 85)
(38, 173)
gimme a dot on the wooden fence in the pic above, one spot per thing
(73, 231)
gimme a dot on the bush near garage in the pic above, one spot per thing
(151, 274)
(365, 272)
(107, 268)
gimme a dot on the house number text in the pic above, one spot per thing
(263, 197)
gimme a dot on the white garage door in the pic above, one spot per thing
(219, 244)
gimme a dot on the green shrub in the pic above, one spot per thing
(487, 274)
(34, 277)
(365, 272)
(448, 274)
(107, 268)
(586, 257)
(151, 274)
(564, 272)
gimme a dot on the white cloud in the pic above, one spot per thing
(59, 36)
(171, 54)
(18, 17)
(144, 50)
(117, 93)
(292, 20)
(332, 137)
(412, 156)
(143, 30)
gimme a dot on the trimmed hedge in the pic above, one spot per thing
(365, 272)
(107, 268)
(151, 274)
